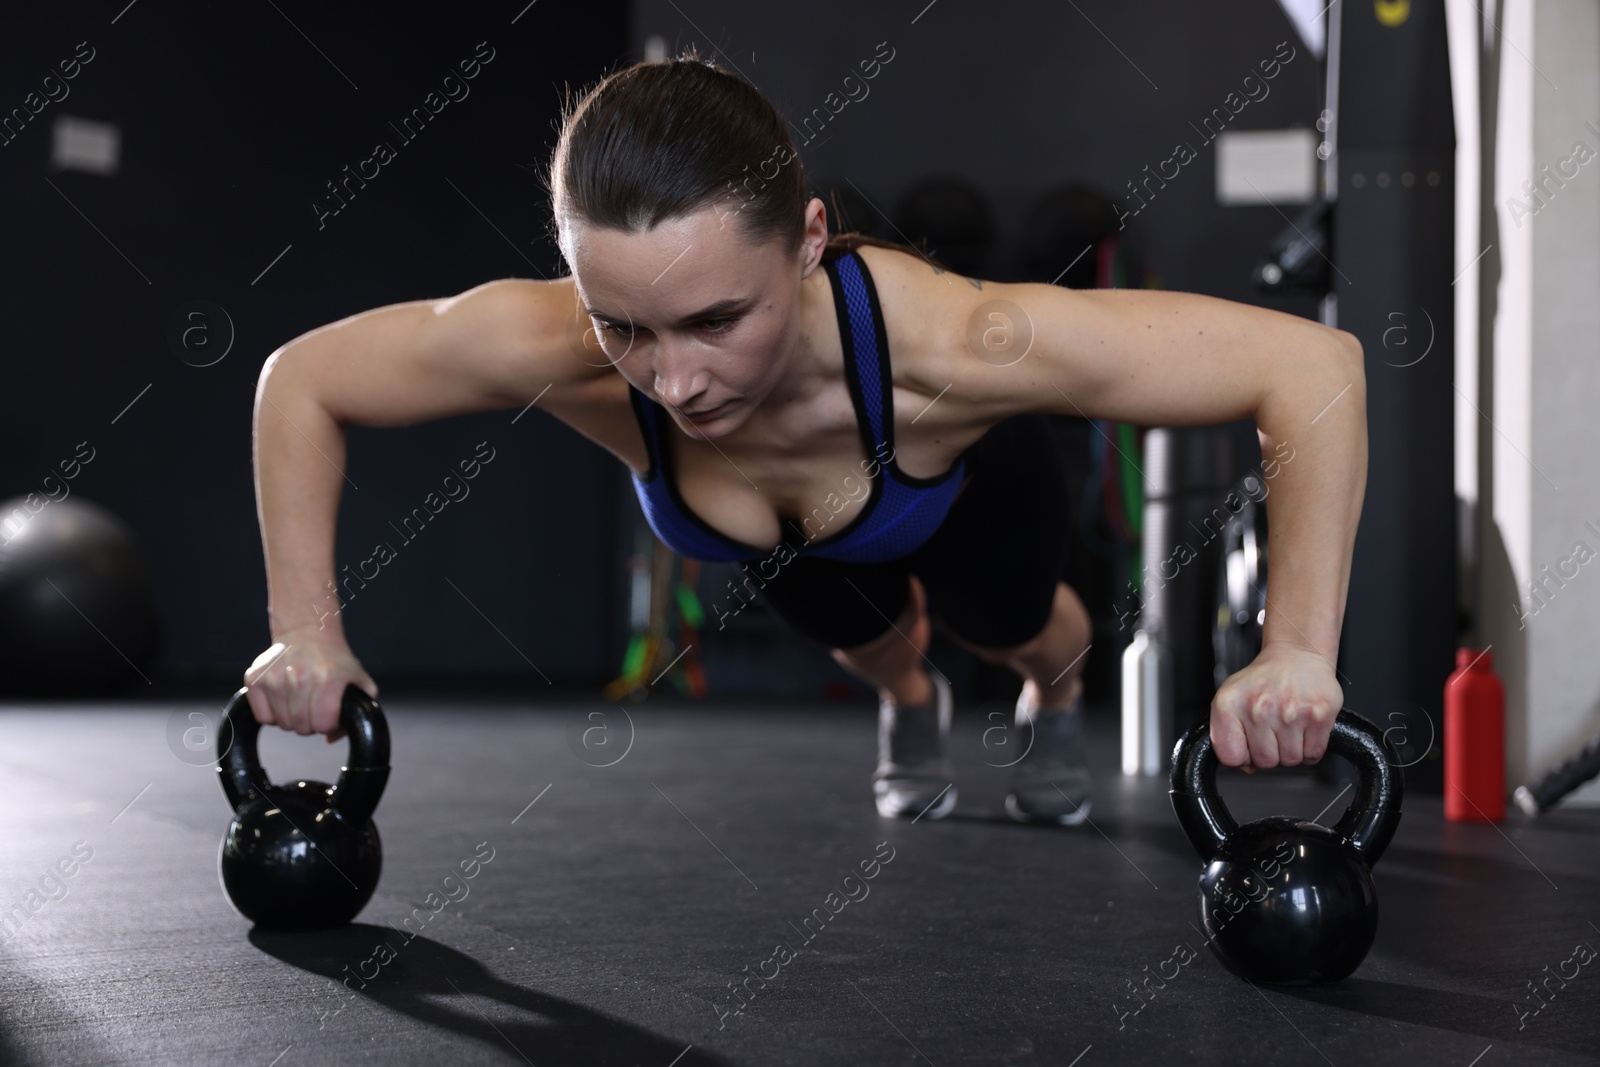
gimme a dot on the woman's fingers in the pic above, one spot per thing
(299, 682)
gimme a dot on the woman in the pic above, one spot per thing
(862, 428)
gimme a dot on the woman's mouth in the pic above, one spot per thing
(709, 415)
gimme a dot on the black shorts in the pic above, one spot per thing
(990, 570)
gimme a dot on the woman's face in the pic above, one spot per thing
(691, 313)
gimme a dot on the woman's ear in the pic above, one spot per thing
(815, 237)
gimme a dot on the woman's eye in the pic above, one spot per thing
(602, 328)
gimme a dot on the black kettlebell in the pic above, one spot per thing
(1285, 901)
(302, 856)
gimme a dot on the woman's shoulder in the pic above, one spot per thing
(932, 317)
(926, 308)
(918, 282)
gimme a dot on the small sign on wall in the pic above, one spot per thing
(1266, 166)
(86, 145)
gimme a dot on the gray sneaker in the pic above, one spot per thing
(913, 776)
(1050, 783)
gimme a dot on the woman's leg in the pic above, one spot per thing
(993, 576)
(874, 620)
(1051, 663)
(913, 778)
(993, 570)
(895, 662)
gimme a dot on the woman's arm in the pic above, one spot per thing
(498, 345)
(1158, 358)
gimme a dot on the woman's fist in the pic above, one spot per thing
(299, 682)
(1278, 710)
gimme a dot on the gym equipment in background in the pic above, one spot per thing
(1241, 588)
(1285, 901)
(1377, 246)
(658, 598)
(1297, 258)
(1389, 169)
(302, 856)
(77, 605)
(1544, 793)
(1168, 667)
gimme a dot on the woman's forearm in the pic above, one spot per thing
(299, 475)
(1313, 425)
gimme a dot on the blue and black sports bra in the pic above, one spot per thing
(901, 512)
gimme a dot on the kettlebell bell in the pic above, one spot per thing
(302, 856)
(1285, 901)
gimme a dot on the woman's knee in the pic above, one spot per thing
(1069, 609)
(1068, 620)
(912, 624)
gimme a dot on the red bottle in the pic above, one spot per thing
(1474, 740)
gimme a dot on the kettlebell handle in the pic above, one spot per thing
(1368, 823)
(361, 781)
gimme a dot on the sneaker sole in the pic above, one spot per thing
(1075, 818)
(946, 804)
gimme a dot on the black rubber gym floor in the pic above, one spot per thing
(620, 905)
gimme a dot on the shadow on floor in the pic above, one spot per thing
(1489, 1018)
(431, 983)
(11, 1053)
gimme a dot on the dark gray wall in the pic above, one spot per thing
(232, 121)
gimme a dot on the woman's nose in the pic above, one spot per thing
(678, 378)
